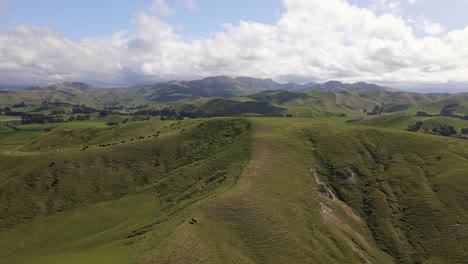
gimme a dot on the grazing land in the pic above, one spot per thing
(263, 177)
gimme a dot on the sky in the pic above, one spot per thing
(411, 44)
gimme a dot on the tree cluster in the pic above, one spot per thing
(83, 110)
(445, 130)
(103, 113)
(40, 119)
(377, 110)
(170, 114)
(79, 118)
(20, 105)
(446, 111)
(415, 127)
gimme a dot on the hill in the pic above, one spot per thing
(336, 86)
(217, 86)
(231, 190)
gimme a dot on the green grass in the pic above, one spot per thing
(407, 188)
(249, 184)
(272, 215)
(403, 121)
(94, 233)
(140, 185)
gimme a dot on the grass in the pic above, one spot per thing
(407, 186)
(248, 183)
(403, 121)
(90, 234)
(272, 215)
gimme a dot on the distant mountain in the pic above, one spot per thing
(65, 86)
(173, 91)
(259, 85)
(256, 84)
(336, 86)
(309, 85)
(217, 86)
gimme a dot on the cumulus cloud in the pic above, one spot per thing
(313, 40)
(431, 28)
(161, 8)
(385, 6)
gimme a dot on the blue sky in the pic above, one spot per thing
(402, 43)
(88, 18)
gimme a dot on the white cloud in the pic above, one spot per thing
(392, 6)
(427, 26)
(313, 40)
(191, 5)
(432, 28)
(412, 2)
(161, 8)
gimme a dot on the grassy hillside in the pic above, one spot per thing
(225, 96)
(425, 124)
(275, 214)
(378, 193)
(229, 107)
(162, 171)
(257, 190)
(408, 187)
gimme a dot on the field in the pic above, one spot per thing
(231, 190)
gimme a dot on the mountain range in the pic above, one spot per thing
(222, 86)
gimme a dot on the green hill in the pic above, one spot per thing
(93, 175)
(242, 95)
(416, 124)
(231, 190)
(228, 107)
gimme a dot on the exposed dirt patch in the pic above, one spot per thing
(329, 215)
(357, 250)
(328, 192)
(335, 220)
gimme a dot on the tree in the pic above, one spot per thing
(22, 104)
(446, 131)
(415, 127)
(112, 123)
(464, 131)
(446, 112)
(421, 113)
(81, 118)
